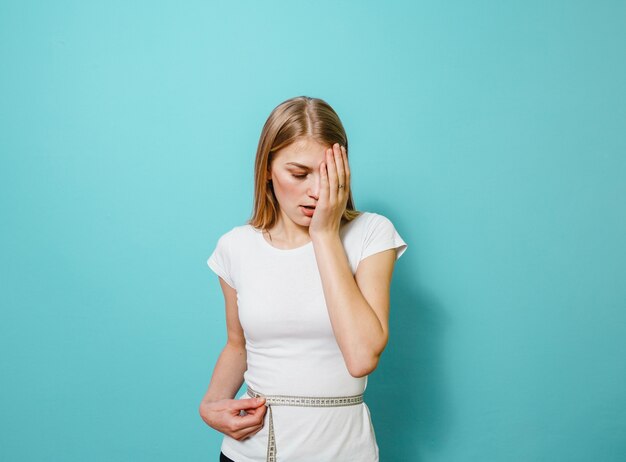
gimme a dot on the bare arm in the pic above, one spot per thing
(218, 408)
(358, 305)
(228, 372)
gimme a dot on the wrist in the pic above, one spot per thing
(212, 399)
(323, 236)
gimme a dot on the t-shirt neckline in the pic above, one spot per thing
(276, 249)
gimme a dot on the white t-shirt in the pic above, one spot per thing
(290, 345)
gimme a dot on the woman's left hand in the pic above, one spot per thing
(333, 194)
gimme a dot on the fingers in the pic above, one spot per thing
(248, 403)
(254, 432)
(338, 157)
(337, 172)
(247, 421)
(346, 167)
(324, 192)
(332, 172)
(236, 418)
(243, 426)
(246, 433)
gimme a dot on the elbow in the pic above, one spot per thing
(363, 360)
(362, 366)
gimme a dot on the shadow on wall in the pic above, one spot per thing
(406, 394)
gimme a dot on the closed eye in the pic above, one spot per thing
(299, 176)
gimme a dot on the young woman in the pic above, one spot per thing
(306, 287)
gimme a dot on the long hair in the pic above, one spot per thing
(295, 118)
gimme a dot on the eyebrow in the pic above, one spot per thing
(296, 164)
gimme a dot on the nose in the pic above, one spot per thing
(314, 187)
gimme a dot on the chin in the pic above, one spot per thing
(306, 221)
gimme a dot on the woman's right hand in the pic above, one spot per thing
(226, 417)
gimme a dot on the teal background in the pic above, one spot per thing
(492, 134)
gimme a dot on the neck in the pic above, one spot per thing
(289, 233)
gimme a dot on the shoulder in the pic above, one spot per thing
(372, 233)
(367, 221)
(227, 257)
(236, 239)
(237, 233)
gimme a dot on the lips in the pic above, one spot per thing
(308, 210)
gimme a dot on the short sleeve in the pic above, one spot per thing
(382, 235)
(220, 260)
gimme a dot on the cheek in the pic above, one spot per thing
(287, 186)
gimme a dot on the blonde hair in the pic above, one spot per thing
(291, 120)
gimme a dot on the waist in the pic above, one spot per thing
(299, 401)
(307, 401)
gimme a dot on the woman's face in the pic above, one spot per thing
(295, 174)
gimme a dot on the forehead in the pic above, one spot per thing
(303, 150)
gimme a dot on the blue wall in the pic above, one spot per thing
(493, 134)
